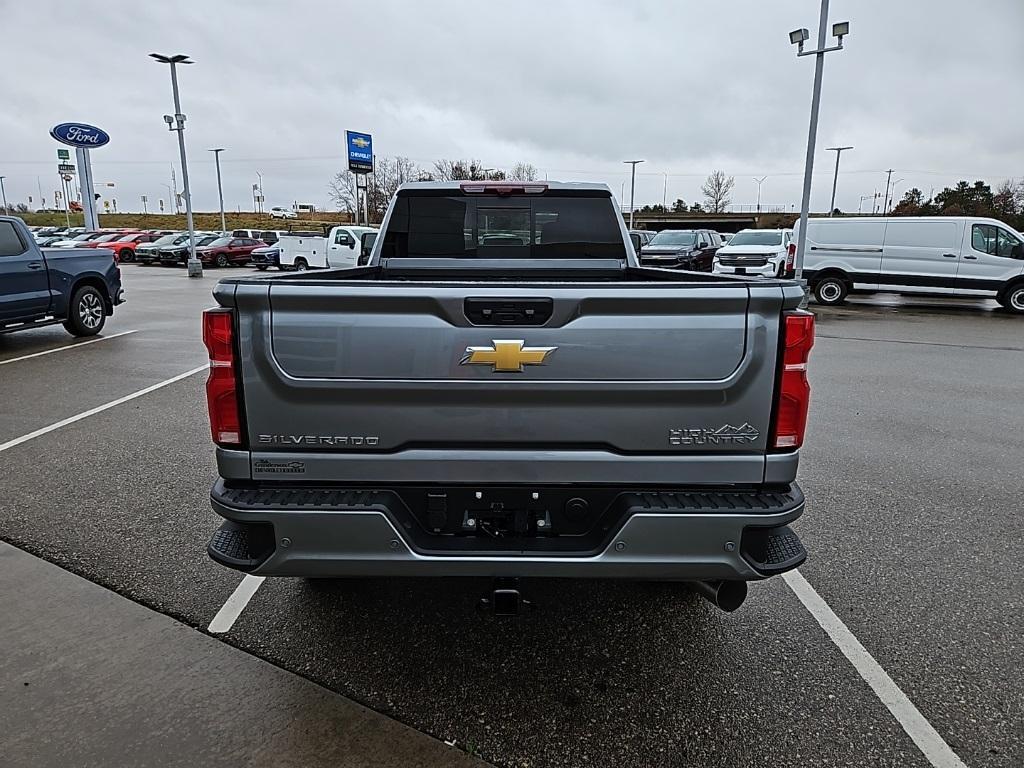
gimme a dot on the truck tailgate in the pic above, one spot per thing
(665, 383)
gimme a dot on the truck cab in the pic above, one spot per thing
(341, 248)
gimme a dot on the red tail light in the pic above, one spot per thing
(790, 259)
(221, 391)
(794, 391)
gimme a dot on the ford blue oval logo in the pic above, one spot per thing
(79, 135)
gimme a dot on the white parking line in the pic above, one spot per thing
(232, 609)
(928, 740)
(76, 345)
(99, 409)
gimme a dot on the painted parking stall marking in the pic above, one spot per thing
(927, 739)
(67, 346)
(233, 607)
(99, 409)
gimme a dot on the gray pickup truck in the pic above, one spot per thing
(504, 392)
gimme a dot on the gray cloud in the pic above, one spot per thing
(930, 88)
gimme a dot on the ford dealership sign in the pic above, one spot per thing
(79, 135)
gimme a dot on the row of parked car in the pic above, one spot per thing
(167, 247)
(762, 252)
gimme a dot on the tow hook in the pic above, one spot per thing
(504, 599)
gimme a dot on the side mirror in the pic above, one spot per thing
(1017, 251)
(702, 244)
(367, 239)
(637, 241)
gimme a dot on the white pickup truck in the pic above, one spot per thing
(344, 247)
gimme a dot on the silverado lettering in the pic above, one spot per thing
(318, 440)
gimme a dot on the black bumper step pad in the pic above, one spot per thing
(758, 502)
(690, 502)
(241, 546)
(772, 550)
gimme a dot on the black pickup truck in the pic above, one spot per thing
(78, 287)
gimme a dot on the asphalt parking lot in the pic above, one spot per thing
(912, 474)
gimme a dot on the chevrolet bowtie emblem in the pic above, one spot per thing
(507, 355)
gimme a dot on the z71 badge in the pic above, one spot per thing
(724, 435)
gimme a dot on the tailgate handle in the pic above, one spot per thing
(508, 312)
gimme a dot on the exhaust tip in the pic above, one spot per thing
(727, 595)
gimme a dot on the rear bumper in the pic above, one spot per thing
(679, 535)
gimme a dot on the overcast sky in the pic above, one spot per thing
(932, 88)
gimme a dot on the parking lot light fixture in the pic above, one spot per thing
(632, 188)
(835, 179)
(177, 123)
(812, 131)
(220, 189)
(759, 183)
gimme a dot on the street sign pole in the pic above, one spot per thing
(67, 201)
(92, 220)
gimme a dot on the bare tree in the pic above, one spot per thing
(523, 172)
(388, 175)
(342, 190)
(465, 170)
(717, 190)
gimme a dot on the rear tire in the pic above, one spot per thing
(127, 255)
(261, 267)
(301, 265)
(1013, 299)
(831, 291)
(88, 312)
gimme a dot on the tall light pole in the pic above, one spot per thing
(220, 190)
(177, 123)
(885, 197)
(632, 187)
(798, 37)
(892, 196)
(759, 183)
(261, 198)
(835, 178)
(3, 193)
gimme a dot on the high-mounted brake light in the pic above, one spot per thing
(794, 391)
(221, 390)
(504, 189)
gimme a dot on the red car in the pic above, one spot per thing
(125, 243)
(105, 240)
(225, 251)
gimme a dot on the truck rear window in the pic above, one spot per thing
(503, 227)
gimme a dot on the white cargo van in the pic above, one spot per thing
(955, 256)
(340, 249)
